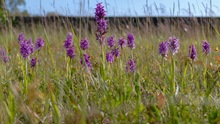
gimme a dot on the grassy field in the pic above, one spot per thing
(62, 90)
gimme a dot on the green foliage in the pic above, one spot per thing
(3, 16)
(60, 90)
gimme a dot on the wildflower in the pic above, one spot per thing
(99, 12)
(192, 52)
(174, 45)
(109, 57)
(131, 66)
(206, 47)
(116, 52)
(69, 36)
(26, 48)
(69, 40)
(70, 52)
(84, 44)
(102, 26)
(5, 59)
(39, 43)
(130, 40)
(101, 23)
(2, 53)
(33, 62)
(21, 37)
(122, 43)
(68, 44)
(31, 46)
(3, 56)
(87, 60)
(163, 49)
(111, 41)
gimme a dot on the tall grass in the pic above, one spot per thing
(60, 90)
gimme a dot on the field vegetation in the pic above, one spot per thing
(68, 73)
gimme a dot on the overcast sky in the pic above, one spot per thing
(125, 7)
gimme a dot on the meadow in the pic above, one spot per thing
(76, 78)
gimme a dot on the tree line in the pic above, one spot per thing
(10, 8)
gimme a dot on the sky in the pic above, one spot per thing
(124, 7)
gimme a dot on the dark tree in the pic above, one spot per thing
(10, 8)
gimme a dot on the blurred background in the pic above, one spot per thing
(130, 8)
